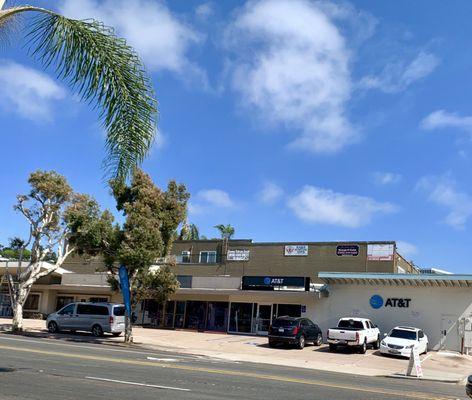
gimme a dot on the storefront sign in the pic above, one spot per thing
(275, 283)
(296, 250)
(238, 255)
(377, 302)
(414, 365)
(347, 250)
(380, 252)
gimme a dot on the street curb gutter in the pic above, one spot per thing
(458, 381)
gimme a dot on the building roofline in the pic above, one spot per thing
(291, 243)
(460, 280)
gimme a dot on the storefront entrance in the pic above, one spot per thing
(263, 318)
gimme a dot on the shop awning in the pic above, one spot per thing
(430, 280)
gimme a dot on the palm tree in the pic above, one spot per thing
(226, 231)
(104, 71)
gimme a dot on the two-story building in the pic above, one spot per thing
(240, 286)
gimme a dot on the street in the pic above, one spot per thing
(32, 368)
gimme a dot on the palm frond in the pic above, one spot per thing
(107, 73)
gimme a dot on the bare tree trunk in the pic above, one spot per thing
(128, 329)
(17, 325)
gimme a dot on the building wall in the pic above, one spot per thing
(269, 259)
(431, 309)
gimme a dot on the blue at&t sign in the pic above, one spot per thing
(376, 301)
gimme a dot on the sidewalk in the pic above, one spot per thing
(439, 366)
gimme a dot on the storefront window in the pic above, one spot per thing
(63, 301)
(5, 305)
(195, 315)
(155, 312)
(169, 314)
(217, 316)
(240, 317)
(291, 310)
(32, 302)
(179, 314)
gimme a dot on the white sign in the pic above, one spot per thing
(414, 364)
(238, 255)
(380, 252)
(296, 250)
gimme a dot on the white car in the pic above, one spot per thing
(402, 339)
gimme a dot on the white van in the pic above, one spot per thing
(98, 318)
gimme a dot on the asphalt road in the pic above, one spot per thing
(51, 369)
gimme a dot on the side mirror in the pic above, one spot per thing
(385, 335)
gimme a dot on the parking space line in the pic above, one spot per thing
(137, 384)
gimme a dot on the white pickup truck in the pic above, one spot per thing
(358, 332)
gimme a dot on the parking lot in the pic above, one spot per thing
(436, 365)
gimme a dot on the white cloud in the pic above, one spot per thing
(270, 193)
(442, 190)
(317, 205)
(386, 178)
(209, 199)
(161, 39)
(292, 68)
(397, 76)
(406, 249)
(444, 119)
(27, 91)
(204, 10)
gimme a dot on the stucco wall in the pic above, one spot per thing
(430, 309)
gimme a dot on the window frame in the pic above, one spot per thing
(39, 302)
(61, 311)
(208, 252)
(186, 256)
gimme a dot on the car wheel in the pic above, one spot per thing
(332, 348)
(319, 340)
(116, 334)
(376, 345)
(53, 327)
(301, 342)
(363, 348)
(97, 331)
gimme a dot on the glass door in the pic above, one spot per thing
(263, 319)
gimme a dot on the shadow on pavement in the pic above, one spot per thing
(78, 337)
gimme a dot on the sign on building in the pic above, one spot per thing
(347, 250)
(296, 250)
(297, 283)
(380, 252)
(238, 255)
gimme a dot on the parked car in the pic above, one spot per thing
(294, 331)
(357, 332)
(98, 318)
(401, 339)
(468, 386)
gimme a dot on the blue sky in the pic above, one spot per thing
(292, 120)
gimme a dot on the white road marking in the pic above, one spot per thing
(137, 384)
(162, 359)
(96, 347)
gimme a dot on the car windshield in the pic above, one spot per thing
(349, 323)
(119, 311)
(403, 334)
(284, 323)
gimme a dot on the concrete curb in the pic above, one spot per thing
(458, 381)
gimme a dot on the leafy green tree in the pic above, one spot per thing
(15, 250)
(189, 232)
(61, 222)
(152, 217)
(102, 69)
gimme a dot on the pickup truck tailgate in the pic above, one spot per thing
(342, 334)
